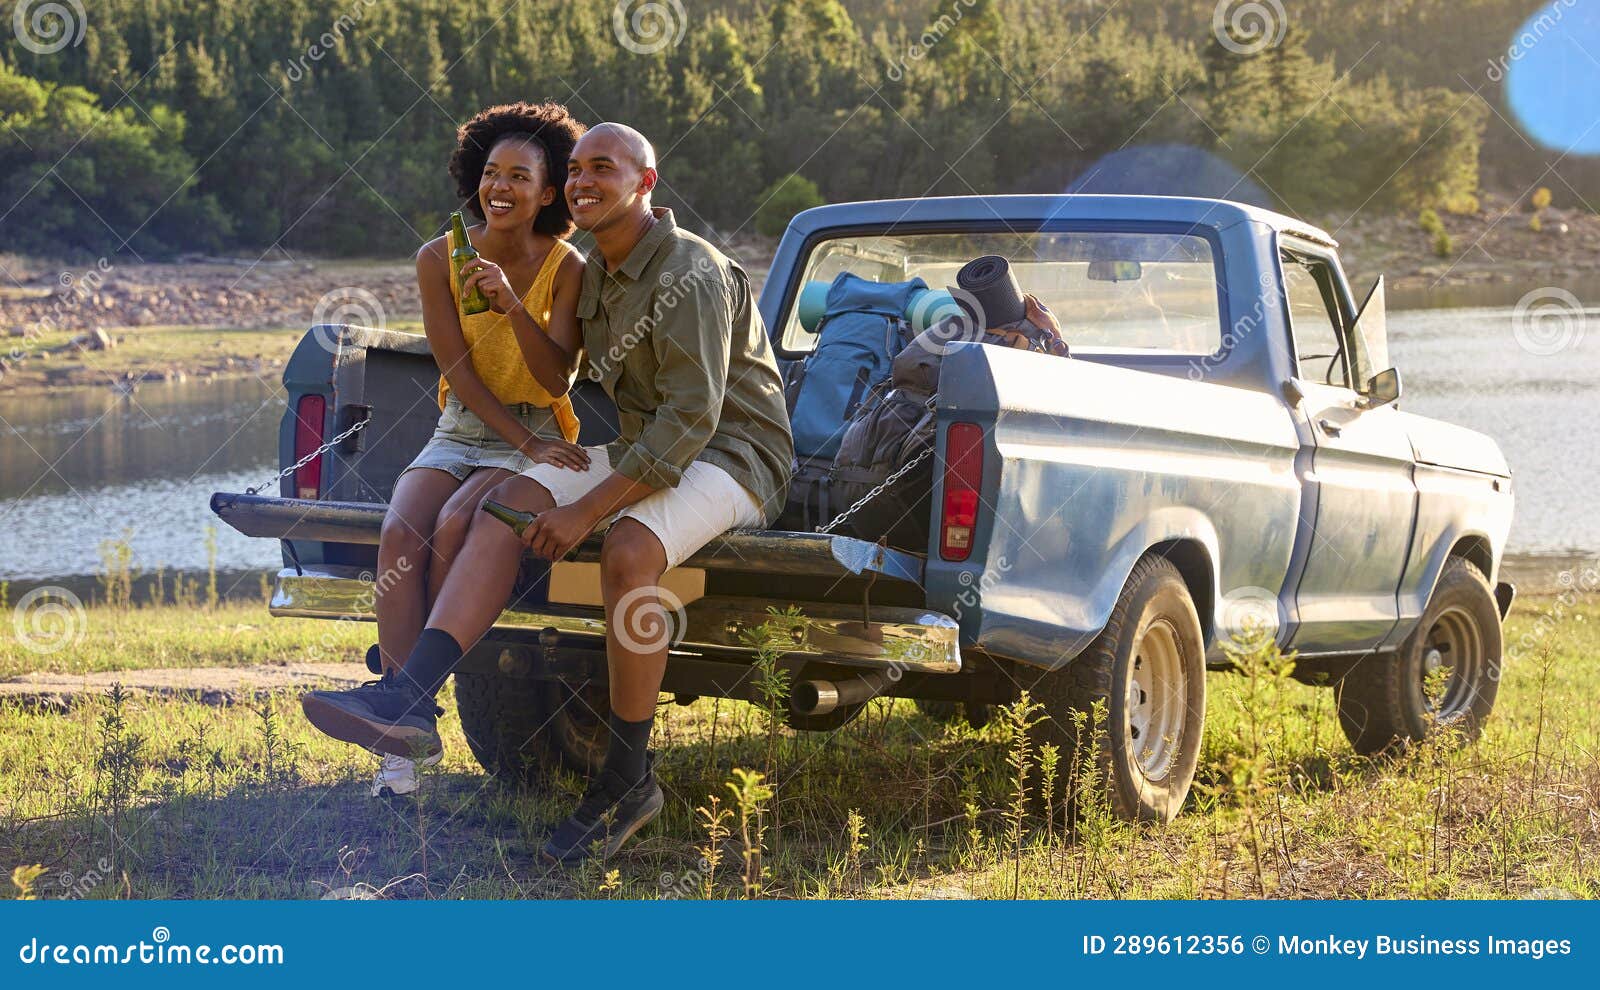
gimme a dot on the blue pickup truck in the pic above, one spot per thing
(1225, 449)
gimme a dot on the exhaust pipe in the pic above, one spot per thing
(822, 697)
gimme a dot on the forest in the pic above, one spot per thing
(323, 126)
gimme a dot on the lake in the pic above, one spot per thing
(81, 467)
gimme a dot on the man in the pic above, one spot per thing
(672, 334)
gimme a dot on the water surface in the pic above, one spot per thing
(83, 466)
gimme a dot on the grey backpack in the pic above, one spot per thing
(894, 426)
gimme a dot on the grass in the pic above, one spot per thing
(229, 634)
(162, 797)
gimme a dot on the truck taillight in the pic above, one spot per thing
(309, 414)
(963, 477)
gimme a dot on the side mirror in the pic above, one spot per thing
(1115, 271)
(1383, 390)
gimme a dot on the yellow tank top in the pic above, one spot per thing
(498, 360)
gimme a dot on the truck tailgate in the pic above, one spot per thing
(753, 551)
(850, 629)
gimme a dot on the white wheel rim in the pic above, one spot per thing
(1455, 646)
(1156, 708)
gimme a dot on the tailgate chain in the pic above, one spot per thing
(931, 404)
(355, 428)
(879, 490)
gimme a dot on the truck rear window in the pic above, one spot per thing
(1144, 292)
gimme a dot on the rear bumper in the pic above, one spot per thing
(904, 639)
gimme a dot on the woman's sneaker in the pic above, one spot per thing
(397, 775)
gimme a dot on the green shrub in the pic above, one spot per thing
(1442, 245)
(782, 200)
(1429, 221)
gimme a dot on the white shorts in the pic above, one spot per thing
(706, 503)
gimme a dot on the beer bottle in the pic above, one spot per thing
(461, 254)
(517, 520)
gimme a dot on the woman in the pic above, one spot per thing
(505, 372)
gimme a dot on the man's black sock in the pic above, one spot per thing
(627, 750)
(431, 660)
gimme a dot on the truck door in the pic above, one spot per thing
(1360, 481)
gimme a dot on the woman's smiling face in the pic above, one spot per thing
(514, 185)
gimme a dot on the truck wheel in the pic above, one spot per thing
(516, 725)
(578, 730)
(1444, 677)
(1147, 667)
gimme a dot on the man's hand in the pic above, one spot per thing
(554, 532)
(557, 452)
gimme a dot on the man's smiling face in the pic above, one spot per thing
(607, 176)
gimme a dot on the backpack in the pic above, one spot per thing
(893, 430)
(860, 333)
(897, 424)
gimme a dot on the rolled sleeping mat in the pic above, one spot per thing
(989, 292)
(923, 311)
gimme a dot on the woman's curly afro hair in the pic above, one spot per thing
(549, 125)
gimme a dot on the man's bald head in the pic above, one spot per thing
(610, 176)
(639, 148)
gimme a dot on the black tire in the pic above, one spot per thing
(578, 728)
(1153, 639)
(517, 727)
(1384, 700)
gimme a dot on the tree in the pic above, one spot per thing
(782, 200)
(80, 177)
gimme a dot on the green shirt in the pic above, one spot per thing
(674, 338)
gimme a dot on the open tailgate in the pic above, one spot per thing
(850, 632)
(754, 551)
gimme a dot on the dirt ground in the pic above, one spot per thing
(208, 685)
(100, 323)
(1495, 244)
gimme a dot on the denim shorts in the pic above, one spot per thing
(462, 443)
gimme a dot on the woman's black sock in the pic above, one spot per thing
(627, 751)
(431, 660)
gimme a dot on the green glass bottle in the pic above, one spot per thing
(461, 254)
(517, 520)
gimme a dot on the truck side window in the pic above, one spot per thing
(1314, 321)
